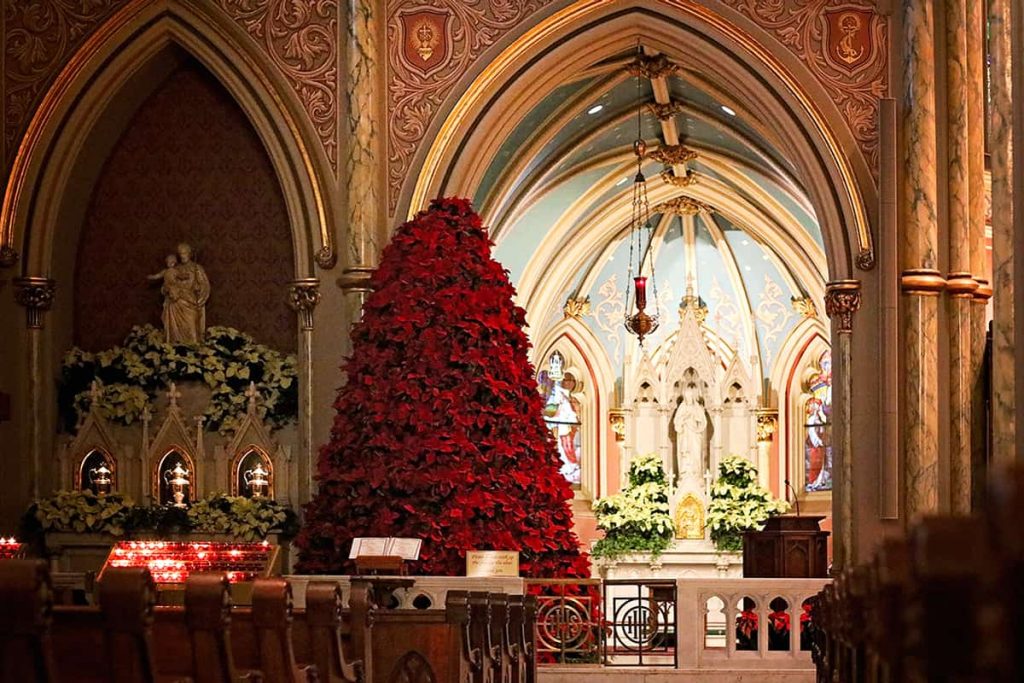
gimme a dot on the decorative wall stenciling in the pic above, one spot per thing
(39, 38)
(301, 38)
(845, 45)
(184, 152)
(462, 30)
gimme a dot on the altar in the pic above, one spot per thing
(684, 559)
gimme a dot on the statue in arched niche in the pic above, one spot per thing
(186, 290)
(690, 425)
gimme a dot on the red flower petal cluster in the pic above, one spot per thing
(439, 433)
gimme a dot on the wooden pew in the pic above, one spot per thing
(26, 652)
(319, 636)
(272, 617)
(887, 589)
(128, 640)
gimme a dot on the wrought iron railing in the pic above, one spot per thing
(688, 624)
(615, 623)
(640, 626)
(569, 622)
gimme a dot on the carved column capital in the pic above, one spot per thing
(36, 295)
(303, 296)
(842, 300)
(767, 423)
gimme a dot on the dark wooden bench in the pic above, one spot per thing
(128, 639)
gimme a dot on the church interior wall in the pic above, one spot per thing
(188, 168)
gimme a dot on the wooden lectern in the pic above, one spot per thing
(789, 547)
(377, 565)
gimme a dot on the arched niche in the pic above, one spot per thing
(96, 472)
(97, 93)
(248, 468)
(165, 471)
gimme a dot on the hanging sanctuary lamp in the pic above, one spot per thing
(641, 233)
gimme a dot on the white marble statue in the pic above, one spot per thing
(690, 424)
(186, 290)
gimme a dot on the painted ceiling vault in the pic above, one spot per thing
(557, 197)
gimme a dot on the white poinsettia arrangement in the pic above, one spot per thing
(638, 519)
(132, 374)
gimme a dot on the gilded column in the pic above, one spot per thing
(365, 160)
(976, 237)
(842, 300)
(960, 282)
(303, 296)
(36, 295)
(1001, 145)
(920, 279)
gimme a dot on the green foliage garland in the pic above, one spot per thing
(250, 519)
(638, 519)
(131, 375)
(739, 504)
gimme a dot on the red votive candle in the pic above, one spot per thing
(640, 286)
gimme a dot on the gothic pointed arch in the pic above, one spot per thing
(721, 46)
(587, 376)
(102, 84)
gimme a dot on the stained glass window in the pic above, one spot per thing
(818, 427)
(562, 414)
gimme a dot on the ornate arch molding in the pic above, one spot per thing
(46, 161)
(779, 90)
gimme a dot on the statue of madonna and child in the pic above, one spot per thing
(185, 289)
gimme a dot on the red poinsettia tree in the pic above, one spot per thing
(439, 432)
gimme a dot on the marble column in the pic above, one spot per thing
(36, 295)
(303, 296)
(1003, 216)
(920, 280)
(365, 159)
(842, 300)
(976, 235)
(960, 282)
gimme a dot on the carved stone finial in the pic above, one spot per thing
(303, 296)
(682, 206)
(576, 307)
(842, 300)
(95, 395)
(173, 395)
(253, 395)
(692, 304)
(671, 155)
(36, 295)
